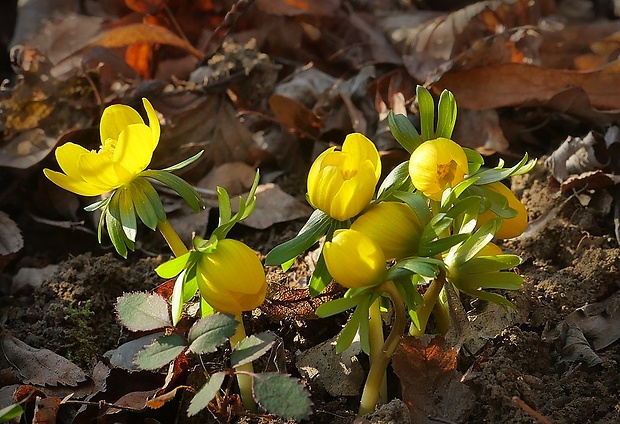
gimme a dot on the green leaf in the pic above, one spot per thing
(499, 173)
(115, 228)
(320, 277)
(206, 309)
(176, 300)
(161, 352)
(446, 115)
(252, 348)
(190, 284)
(418, 203)
(174, 266)
(364, 330)
(184, 163)
(490, 297)
(477, 241)
(426, 105)
(312, 231)
(143, 311)
(10, 412)
(206, 393)
(474, 160)
(282, 395)
(441, 245)
(482, 264)
(336, 306)
(426, 267)
(350, 329)
(394, 181)
(492, 280)
(143, 195)
(127, 214)
(178, 184)
(223, 200)
(403, 131)
(210, 332)
(435, 228)
(97, 205)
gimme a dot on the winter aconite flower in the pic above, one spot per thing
(231, 278)
(127, 146)
(393, 226)
(436, 165)
(510, 227)
(354, 260)
(342, 183)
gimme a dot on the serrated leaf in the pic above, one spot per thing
(161, 352)
(210, 332)
(426, 105)
(311, 232)
(206, 394)
(404, 132)
(252, 348)
(282, 395)
(143, 311)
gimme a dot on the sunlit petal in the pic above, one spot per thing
(73, 185)
(114, 120)
(134, 148)
(98, 170)
(153, 122)
(67, 155)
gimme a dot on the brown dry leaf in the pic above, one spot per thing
(480, 130)
(11, 240)
(298, 7)
(148, 7)
(26, 149)
(600, 321)
(273, 206)
(235, 177)
(516, 84)
(46, 410)
(431, 384)
(294, 115)
(142, 33)
(40, 367)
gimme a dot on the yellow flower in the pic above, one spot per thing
(393, 226)
(436, 165)
(354, 260)
(231, 278)
(342, 183)
(127, 146)
(511, 227)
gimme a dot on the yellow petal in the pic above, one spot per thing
(354, 194)
(134, 148)
(510, 227)
(354, 260)
(73, 185)
(99, 170)
(153, 121)
(360, 149)
(115, 119)
(221, 300)
(67, 157)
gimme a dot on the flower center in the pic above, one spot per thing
(107, 148)
(445, 172)
(347, 174)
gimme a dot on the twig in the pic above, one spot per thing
(534, 414)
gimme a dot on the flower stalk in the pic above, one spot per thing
(379, 362)
(172, 238)
(425, 309)
(244, 380)
(376, 340)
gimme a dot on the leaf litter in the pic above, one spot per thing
(270, 85)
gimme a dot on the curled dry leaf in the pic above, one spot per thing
(577, 155)
(11, 240)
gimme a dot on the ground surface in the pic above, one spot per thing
(570, 260)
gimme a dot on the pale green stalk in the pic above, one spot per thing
(244, 380)
(375, 330)
(379, 362)
(425, 309)
(172, 238)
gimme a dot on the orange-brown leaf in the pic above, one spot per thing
(143, 33)
(148, 7)
(140, 57)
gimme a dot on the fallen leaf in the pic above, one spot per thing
(273, 206)
(298, 7)
(430, 382)
(11, 240)
(46, 410)
(148, 7)
(235, 177)
(480, 130)
(599, 322)
(40, 367)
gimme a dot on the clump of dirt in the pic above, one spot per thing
(73, 313)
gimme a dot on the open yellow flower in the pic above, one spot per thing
(231, 278)
(127, 146)
(354, 260)
(436, 165)
(342, 183)
(393, 226)
(510, 227)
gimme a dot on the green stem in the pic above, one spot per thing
(172, 238)
(430, 297)
(441, 313)
(379, 363)
(375, 330)
(244, 380)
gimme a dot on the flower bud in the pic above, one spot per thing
(436, 165)
(231, 278)
(342, 183)
(511, 227)
(354, 260)
(393, 226)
